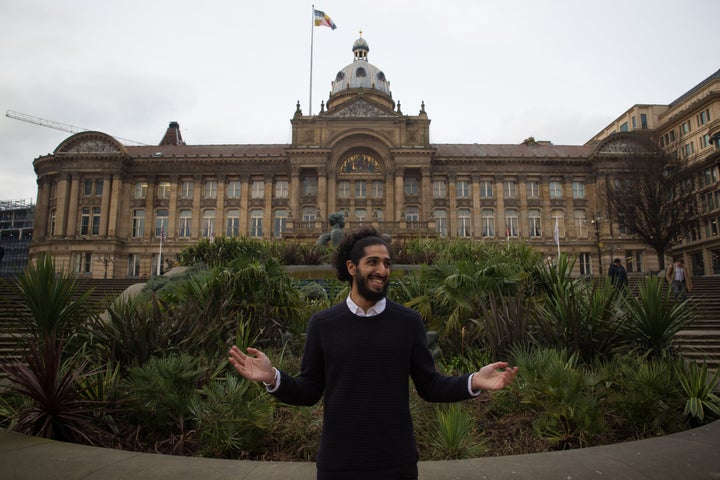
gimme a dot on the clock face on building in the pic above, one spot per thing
(360, 163)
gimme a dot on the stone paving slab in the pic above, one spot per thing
(690, 455)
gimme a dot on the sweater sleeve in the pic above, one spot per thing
(431, 385)
(306, 388)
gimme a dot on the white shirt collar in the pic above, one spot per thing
(376, 309)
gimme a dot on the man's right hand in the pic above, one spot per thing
(255, 365)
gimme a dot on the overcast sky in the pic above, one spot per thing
(230, 71)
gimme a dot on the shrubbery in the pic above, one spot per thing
(151, 374)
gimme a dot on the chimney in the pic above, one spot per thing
(172, 135)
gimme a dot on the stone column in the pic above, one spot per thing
(149, 209)
(500, 197)
(105, 205)
(268, 207)
(172, 208)
(114, 205)
(452, 207)
(72, 211)
(42, 210)
(196, 210)
(220, 206)
(399, 194)
(477, 207)
(245, 195)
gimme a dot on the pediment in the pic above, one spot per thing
(362, 109)
(93, 143)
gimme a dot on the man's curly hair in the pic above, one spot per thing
(353, 248)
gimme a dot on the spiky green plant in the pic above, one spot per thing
(699, 387)
(653, 319)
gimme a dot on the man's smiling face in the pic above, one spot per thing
(370, 276)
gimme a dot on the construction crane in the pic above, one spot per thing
(60, 126)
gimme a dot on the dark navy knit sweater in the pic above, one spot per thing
(362, 365)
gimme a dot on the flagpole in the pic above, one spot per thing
(312, 32)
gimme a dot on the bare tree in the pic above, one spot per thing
(651, 196)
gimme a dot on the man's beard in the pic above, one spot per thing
(366, 292)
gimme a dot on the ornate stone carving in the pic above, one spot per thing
(361, 109)
(92, 146)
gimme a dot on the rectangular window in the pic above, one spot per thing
(256, 223)
(133, 265)
(412, 215)
(535, 223)
(705, 141)
(282, 189)
(211, 189)
(377, 215)
(533, 189)
(464, 223)
(462, 188)
(83, 263)
(310, 185)
(685, 127)
(439, 189)
(643, 120)
(486, 189)
(185, 224)
(138, 223)
(689, 149)
(441, 223)
(360, 189)
(161, 223)
(578, 189)
(343, 188)
(624, 127)
(511, 223)
(309, 214)
(85, 221)
(95, 221)
(233, 189)
(232, 223)
(556, 189)
(487, 220)
(186, 189)
(208, 224)
(141, 190)
(377, 189)
(411, 186)
(510, 190)
(280, 223)
(257, 189)
(580, 223)
(92, 186)
(585, 264)
(163, 190)
(703, 117)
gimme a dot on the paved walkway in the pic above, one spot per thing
(690, 455)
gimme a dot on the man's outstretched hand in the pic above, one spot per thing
(494, 376)
(255, 366)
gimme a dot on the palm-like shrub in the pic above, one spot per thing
(231, 417)
(576, 313)
(644, 394)
(160, 395)
(653, 318)
(564, 395)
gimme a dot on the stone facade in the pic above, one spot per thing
(103, 207)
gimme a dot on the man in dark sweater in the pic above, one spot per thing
(359, 354)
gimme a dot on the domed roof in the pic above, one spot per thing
(361, 73)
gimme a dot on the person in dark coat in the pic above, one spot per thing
(618, 275)
(358, 356)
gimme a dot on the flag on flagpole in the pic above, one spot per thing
(322, 20)
(557, 234)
